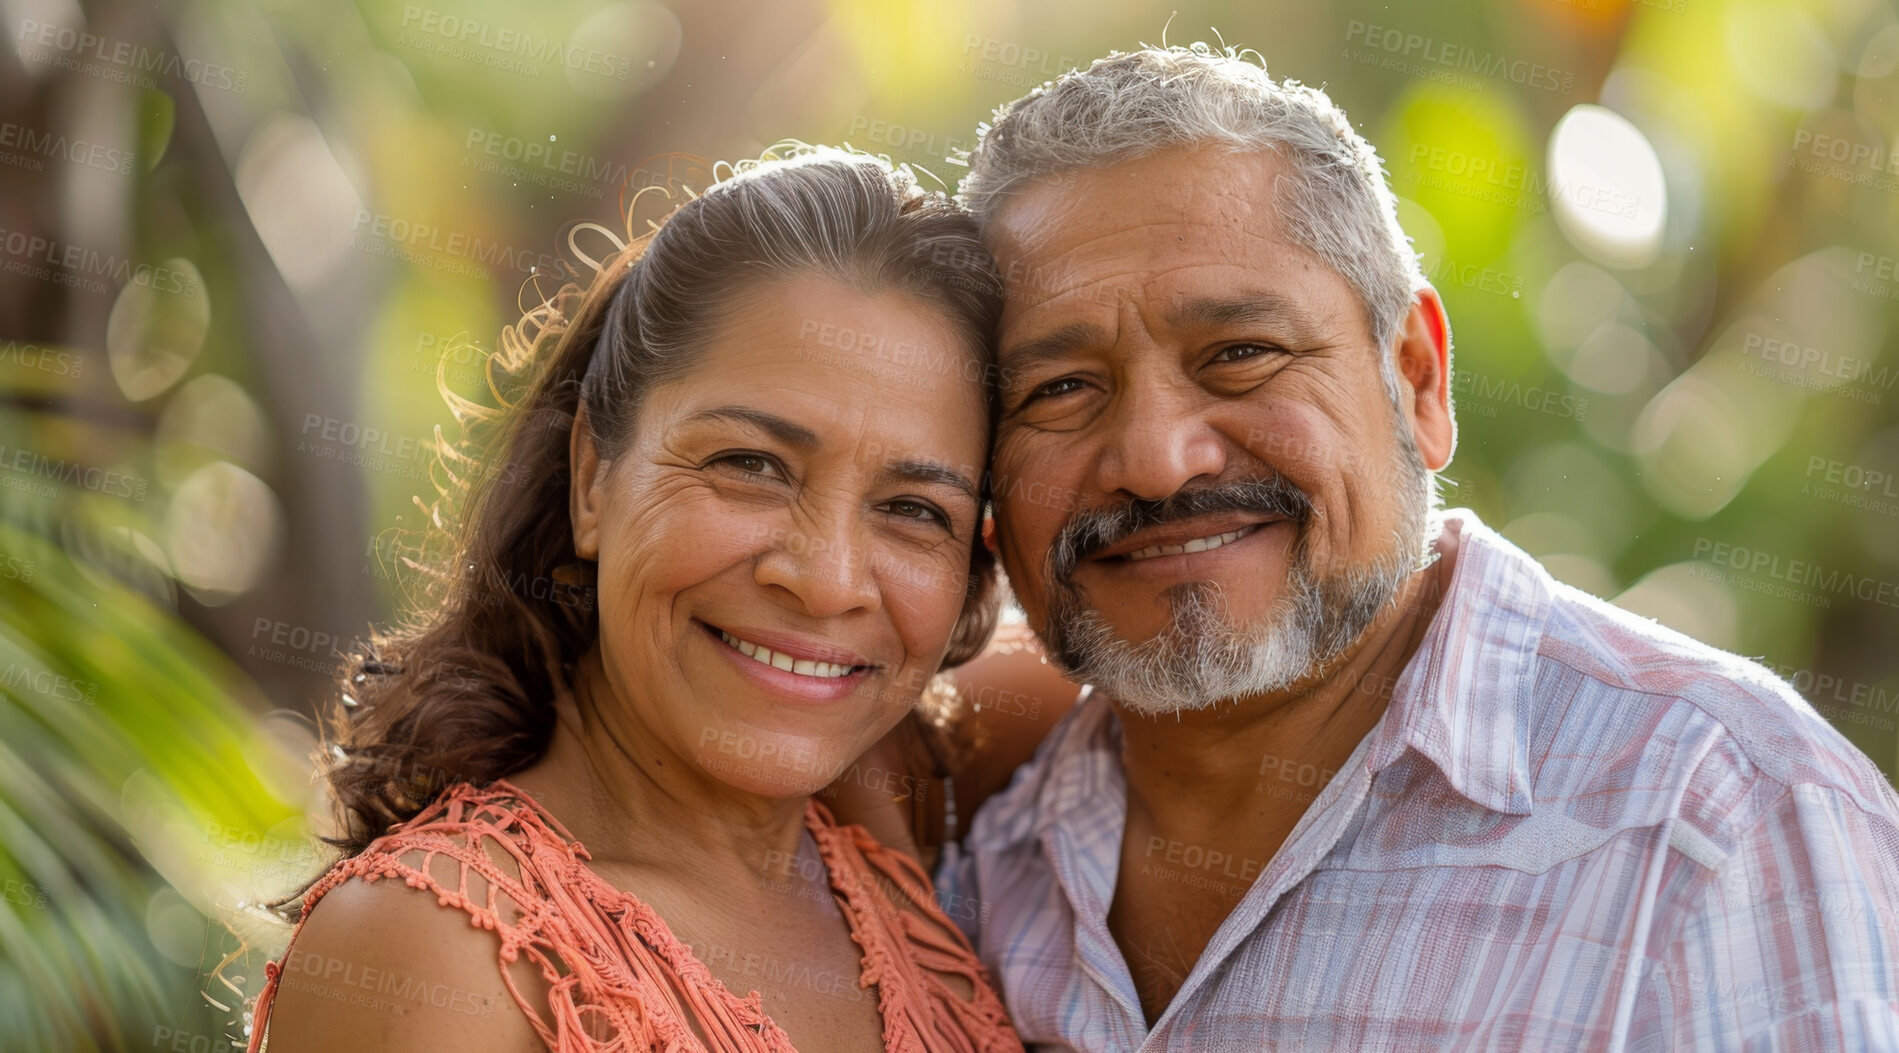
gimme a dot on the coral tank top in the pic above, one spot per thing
(620, 979)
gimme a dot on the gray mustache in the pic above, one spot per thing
(1090, 531)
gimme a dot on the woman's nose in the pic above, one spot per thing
(825, 566)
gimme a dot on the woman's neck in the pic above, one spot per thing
(634, 802)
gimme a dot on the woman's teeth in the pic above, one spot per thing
(1199, 544)
(780, 660)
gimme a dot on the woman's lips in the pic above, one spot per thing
(787, 660)
(798, 670)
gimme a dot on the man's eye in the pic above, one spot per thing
(1241, 352)
(1056, 388)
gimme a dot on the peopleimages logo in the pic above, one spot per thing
(535, 158)
(78, 151)
(402, 239)
(1514, 185)
(506, 41)
(1796, 572)
(82, 263)
(1501, 391)
(1847, 152)
(1787, 362)
(1456, 57)
(128, 60)
(106, 481)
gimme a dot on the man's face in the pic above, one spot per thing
(1204, 487)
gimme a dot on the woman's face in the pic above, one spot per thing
(784, 542)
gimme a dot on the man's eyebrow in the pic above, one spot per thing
(1256, 307)
(787, 432)
(1244, 309)
(931, 472)
(1055, 344)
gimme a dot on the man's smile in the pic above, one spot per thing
(1197, 534)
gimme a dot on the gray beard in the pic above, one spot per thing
(1200, 658)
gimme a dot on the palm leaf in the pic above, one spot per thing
(131, 810)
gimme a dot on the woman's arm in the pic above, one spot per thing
(385, 967)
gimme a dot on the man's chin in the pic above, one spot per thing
(1203, 653)
(1194, 659)
(1149, 633)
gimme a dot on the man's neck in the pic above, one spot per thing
(1212, 795)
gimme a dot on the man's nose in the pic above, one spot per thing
(1159, 441)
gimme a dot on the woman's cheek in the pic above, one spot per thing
(925, 595)
(690, 536)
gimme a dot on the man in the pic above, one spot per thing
(1354, 774)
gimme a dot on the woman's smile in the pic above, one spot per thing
(791, 666)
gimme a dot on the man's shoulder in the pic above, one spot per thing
(1726, 736)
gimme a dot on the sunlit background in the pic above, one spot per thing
(241, 241)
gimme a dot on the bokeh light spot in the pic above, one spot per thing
(157, 327)
(224, 528)
(1606, 187)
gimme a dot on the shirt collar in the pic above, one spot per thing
(1465, 699)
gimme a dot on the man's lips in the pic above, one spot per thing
(1203, 533)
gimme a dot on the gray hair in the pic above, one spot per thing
(1334, 197)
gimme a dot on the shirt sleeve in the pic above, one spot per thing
(1792, 942)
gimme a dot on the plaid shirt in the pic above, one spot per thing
(1571, 829)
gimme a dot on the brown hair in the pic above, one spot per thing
(464, 691)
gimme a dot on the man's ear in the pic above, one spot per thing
(1423, 353)
(586, 490)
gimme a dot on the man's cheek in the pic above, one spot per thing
(1023, 562)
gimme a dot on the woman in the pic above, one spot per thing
(728, 538)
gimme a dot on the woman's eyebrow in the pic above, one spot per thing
(930, 472)
(785, 431)
(794, 434)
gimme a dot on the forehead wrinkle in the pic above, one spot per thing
(1149, 257)
(1145, 296)
(1171, 203)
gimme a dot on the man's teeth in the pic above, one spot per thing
(1199, 544)
(780, 660)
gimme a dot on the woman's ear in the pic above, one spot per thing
(586, 491)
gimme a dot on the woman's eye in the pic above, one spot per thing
(1241, 352)
(917, 510)
(751, 464)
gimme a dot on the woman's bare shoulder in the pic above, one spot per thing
(384, 965)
